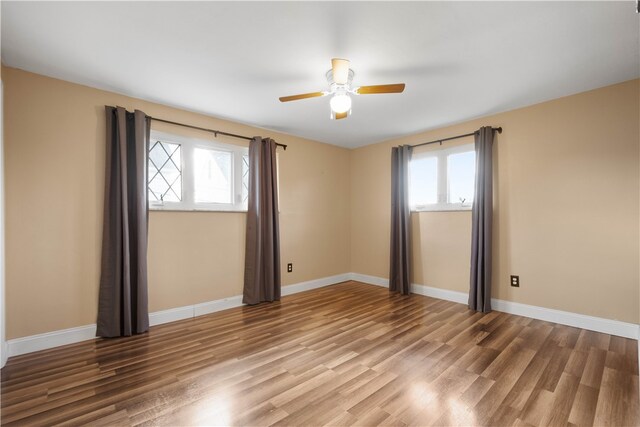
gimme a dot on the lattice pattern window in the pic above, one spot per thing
(245, 179)
(165, 172)
(194, 174)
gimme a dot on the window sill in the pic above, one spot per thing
(152, 209)
(442, 209)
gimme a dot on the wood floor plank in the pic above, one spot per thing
(345, 355)
(616, 407)
(558, 412)
(584, 406)
(592, 375)
(526, 384)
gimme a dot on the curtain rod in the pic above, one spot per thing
(213, 131)
(499, 130)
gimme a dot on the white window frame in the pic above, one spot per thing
(187, 147)
(443, 203)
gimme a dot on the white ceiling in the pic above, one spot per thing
(460, 60)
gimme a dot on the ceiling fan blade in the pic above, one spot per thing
(394, 88)
(301, 96)
(340, 69)
(341, 115)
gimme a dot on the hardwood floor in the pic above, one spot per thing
(348, 354)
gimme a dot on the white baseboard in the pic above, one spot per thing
(170, 315)
(53, 339)
(371, 280)
(47, 340)
(314, 284)
(598, 324)
(217, 305)
(4, 353)
(455, 296)
(583, 321)
(18, 346)
(428, 291)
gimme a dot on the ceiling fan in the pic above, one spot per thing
(339, 78)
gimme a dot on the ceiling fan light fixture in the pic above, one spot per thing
(340, 78)
(340, 103)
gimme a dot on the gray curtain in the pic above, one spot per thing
(123, 303)
(262, 249)
(400, 221)
(480, 284)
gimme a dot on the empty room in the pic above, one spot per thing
(325, 213)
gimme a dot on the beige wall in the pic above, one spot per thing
(566, 207)
(54, 142)
(566, 214)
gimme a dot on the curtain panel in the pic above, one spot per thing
(481, 228)
(123, 301)
(400, 250)
(262, 248)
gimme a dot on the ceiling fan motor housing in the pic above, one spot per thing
(333, 86)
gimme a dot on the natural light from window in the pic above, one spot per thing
(212, 169)
(461, 169)
(442, 180)
(424, 180)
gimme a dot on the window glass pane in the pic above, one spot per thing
(245, 179)
(461, 175)
(165, 172)
(212, 176)
(423, 181)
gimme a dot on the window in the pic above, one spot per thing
(442, 180)
(191, 174)
(165, 172)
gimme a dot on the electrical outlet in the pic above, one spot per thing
(515, 281)
(289, 268)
